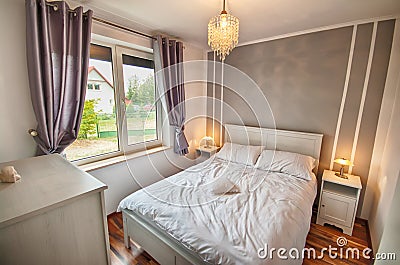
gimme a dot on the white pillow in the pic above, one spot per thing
(223, 185)
(243, 154)
(294, 164)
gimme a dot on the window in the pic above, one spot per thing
(123, 115)
(139, 94)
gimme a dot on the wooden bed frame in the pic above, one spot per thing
(167, 250)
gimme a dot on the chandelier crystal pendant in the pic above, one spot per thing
(223, 33)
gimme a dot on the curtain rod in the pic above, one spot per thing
(123, 28)
(126, 29)
(55, 6)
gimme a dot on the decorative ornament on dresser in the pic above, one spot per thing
(9, 174)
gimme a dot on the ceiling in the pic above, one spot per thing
(259, 19)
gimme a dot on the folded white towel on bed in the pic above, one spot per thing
(223, 185)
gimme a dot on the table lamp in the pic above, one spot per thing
(343, 162)
(207, 142)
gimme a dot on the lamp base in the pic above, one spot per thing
(341, 173)
(341, 176)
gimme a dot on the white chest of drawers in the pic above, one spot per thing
(53, 215)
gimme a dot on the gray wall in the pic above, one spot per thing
(303, 80)
(16, 112)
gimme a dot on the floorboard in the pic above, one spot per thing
(319, 237)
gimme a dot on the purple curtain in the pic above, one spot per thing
(168, 58)
(57, 48)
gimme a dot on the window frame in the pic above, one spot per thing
(119, 98)
(120, 50)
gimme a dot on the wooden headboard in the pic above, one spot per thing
(274, 139)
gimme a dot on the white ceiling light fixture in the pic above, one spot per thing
(223, 33)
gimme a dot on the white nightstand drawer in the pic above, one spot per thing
(337, 209)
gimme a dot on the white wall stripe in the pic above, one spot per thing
(364, 95)
(344, 95)
(222, 103)
(213, 99)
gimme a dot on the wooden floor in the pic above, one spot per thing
(322, 236)
(319, 237)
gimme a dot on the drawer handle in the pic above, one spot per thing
(323, 205)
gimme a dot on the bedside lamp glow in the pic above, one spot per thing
(343, 162)
(207, 142)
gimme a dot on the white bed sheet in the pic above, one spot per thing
(272, 209)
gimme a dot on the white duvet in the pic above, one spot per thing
(271, 209)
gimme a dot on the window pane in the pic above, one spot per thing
(98, 132)
(141, 117)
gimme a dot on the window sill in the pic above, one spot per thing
(120, 158)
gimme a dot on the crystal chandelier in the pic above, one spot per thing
(223, 33)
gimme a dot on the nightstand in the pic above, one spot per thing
(338, 200)
(207, 152)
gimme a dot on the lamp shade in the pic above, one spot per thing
(207, 141)
(343, 162)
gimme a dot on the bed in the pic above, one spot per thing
(178, 221)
